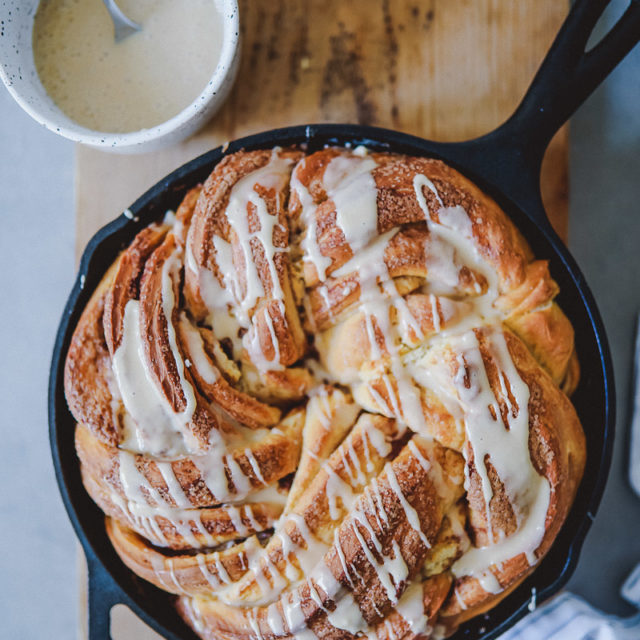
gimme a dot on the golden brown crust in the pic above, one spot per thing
(180, 574)
(315, 386)
(353, 566)
(558, 451)
(434, 592)
(210, 221)
(126, 284)
(87, 371)
(274, 457)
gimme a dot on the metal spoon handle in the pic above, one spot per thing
(122, 25)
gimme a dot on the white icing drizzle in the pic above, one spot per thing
(247, 512)
(213, 463)
(343, 561)
(173, 486)
(460, 599)
(435, 313)
(236, 516)
(217, 296)
(309, 245)
(240, 481)
(393, 570)
(390, 632)
(377, 295)
(294, 617)
(449, 246)
(417, 454)
(378, 440)
(212, 470)
(410, 513)
(263, 568)
(411, 608)
(253, 345)
(373, 507)
(325, 580)
(147, 426)
(141, 517)
(351, 464)
(407, 321)
(232, 296)
(315, 596)
(254, 289)
(222, 572)
(350, 184)
(170, 218)
(420, 181)
(324, 292)
(254, 465)
(253, 623)
(183, 518)
(226, 326)
(157, 564)
(199, 359)
(169, 563)
(336, 487)
(274, 620)
(347, 615)
(379, 510)
(507, 449)
(271, 176)
(315, 549)
(132, 480)
(488, 581)
(195, 614)
(115, 402)
(213, 579)
(151, 425)
(307, 555)
(170, 270)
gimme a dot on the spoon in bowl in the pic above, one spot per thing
(122, 26)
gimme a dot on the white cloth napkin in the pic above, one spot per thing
(568, 617)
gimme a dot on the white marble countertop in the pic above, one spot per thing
(38, 590)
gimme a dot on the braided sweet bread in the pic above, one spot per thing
(328, 398)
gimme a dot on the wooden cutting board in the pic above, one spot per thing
(440, 69)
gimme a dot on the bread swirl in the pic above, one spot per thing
(328, 398)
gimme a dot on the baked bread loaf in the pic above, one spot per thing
(328, 398)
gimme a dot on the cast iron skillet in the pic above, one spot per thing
(506, 164)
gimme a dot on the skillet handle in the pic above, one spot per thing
(568, 75)
(104, 594)
(511, 155)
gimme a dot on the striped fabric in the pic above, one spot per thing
(568, 617)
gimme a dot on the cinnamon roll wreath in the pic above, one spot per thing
(327, 398)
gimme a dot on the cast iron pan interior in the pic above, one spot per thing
(506, 164)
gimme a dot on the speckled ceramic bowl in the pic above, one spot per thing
(19, 74)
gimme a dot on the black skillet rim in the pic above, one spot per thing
(142, 597)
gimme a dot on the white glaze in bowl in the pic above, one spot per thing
(18, 72)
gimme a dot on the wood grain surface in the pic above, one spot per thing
(441, 69)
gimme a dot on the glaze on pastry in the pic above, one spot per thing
(328, 398)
